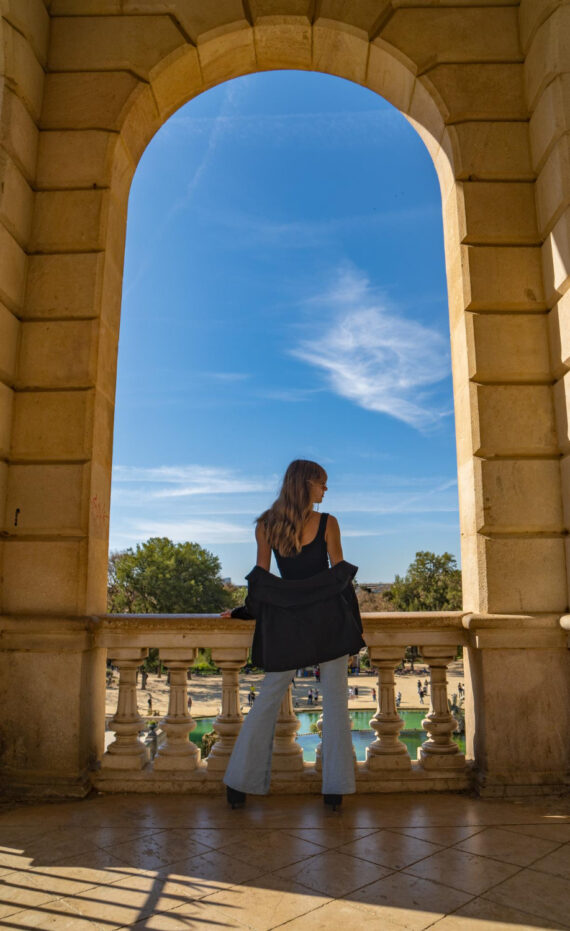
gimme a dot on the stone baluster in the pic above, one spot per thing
(439, 751)
(127, 751)
(228, 723)
(177, 752)
(387, 751)
(319, 750)
(287, 753)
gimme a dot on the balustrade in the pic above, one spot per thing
(178, 762)
(228, 722)
(387, 751)
(439, 751)
(126, 752)
(287, 753)
(177, 752)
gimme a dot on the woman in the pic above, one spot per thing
(308, 616)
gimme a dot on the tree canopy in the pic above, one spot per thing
(432, 583)
(163, 577)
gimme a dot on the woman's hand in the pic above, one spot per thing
(227, 613)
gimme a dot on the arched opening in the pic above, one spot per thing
(284, 295)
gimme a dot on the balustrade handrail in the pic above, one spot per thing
(379, 627)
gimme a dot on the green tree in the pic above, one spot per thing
(162, 577)
(432, 583)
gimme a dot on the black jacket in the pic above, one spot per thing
(300, 622)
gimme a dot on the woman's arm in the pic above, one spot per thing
(332, 537)
(263, 560)
(263, 548)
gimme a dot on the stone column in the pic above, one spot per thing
(178, 752)
(387, 751)
(287, 753)
(228, 723)
(126, 751)
(439, 751)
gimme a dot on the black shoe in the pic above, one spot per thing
(334, 801)
(235, 798)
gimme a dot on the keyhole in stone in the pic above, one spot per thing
(16, 513)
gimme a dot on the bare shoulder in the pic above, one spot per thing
(332, 528)
(260, 532)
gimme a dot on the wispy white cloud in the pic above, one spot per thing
(215, 130)
(249, 228)
(203, 530)
(376, 126)
(292, 395)
(190, 480)
(376, 358)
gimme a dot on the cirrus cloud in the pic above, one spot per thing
(376, 358)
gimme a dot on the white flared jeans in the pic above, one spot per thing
(249, 767)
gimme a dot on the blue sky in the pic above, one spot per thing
(284, 297)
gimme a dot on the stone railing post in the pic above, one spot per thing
(178, 752)
(439, 751)
(387, 751)
(228, 723)
(127, 751)
(287, 753)
(319, 750)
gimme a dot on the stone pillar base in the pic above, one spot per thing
(379, 762)
(441, 761)
(126, 762)
(16, 785)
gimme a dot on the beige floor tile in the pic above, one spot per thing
(111, 835)
(216, 837)
(559, 832)
(270, 849)
(210, 872)
(482, 915)
(392, 850)
(46, 847)
(157, 849)
(118, 904)
(58, 915)
(189, 917)
(444, 836)
(49, 882)
(207, 875)
(407, 901)
(18, 892)
(506, 846)
(333, 873)
(267, 903)
(557, 863)
(539, 894)
(332, 835)
(340, 914)
(465, 871)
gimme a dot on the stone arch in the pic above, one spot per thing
(466, 77)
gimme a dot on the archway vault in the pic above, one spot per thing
(86, 87)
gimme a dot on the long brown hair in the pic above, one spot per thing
(283, 522)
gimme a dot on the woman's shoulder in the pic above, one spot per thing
(332, 529)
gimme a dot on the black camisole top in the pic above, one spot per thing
(313, 557)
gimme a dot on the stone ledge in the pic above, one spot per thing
(307, 782)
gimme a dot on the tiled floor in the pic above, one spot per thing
(385, 862)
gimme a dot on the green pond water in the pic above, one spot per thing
(362, 734)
